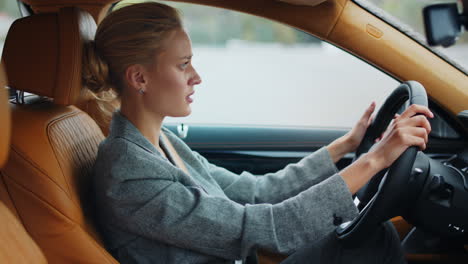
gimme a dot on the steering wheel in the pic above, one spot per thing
(386, 195)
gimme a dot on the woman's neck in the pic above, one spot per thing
(148, 124)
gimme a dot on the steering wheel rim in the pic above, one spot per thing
(387, 201)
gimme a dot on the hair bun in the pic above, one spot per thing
(95, 73)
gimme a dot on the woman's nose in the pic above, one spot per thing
(196, 79)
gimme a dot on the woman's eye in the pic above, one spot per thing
(183, 66)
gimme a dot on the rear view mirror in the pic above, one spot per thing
(443, 24)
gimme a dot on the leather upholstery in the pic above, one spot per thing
(5, 122)
(16, 246)
(53, 42)
(53, 144)
(69, 2)
(47, 176)
(59, 50)
(4, 119)
(97, 8)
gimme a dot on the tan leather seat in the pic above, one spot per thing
(53, 144)
(16, 246)
(5, 120)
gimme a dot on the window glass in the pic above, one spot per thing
(259, 72)
(9, 11)
(409, 13)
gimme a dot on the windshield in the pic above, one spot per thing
(406, 15)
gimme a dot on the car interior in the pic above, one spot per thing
(17, 245)
(51, 130)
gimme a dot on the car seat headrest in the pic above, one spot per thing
(43, 53)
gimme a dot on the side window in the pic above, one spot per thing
(9, 11)
(259, 72)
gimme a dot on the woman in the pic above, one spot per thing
(160, 202)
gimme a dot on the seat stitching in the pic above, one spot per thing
(49, 126)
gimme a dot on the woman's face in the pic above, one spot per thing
(171, 78)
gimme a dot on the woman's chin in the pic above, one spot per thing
(188, 111)
(184, 113)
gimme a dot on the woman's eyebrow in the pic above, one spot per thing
(186, 57)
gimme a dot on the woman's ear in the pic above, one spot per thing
(135, 75)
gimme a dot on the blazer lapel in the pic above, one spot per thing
(123, 128)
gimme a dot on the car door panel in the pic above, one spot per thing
(258, 150)
(261, 150)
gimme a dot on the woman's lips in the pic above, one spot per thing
(189, 99)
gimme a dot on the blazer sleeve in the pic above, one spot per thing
(273, 187)
(142, 198)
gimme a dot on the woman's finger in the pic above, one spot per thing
(407, 135)
(389, 127)
(418, 142)
(417, 109)
(420, 132)
(421, 121)
(371, 119)
(415, 121)
(368, 113)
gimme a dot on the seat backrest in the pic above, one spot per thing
(5, 120)
(16, 246)
(54, 144)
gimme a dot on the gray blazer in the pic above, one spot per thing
(150, 211)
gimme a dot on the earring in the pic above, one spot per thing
(141, 91)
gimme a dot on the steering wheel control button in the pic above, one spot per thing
(416, 173)
(436, 182)
(440, 192)
(456, 229)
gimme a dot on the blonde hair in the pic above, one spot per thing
(130, 35)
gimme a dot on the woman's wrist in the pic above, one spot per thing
(373, 161)
(340, 147)
(360, 172)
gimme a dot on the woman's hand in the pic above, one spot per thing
(352, 139)
(409, 129)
